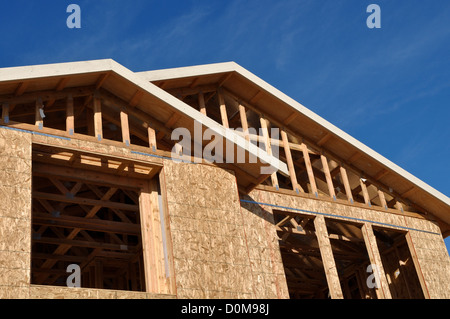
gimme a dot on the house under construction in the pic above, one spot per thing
(88, 177)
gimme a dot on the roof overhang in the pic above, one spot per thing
(292, 115)
(154, 101)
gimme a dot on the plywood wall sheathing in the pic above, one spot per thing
(15, 213)
(219, 251)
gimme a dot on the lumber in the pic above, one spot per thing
(223, 110)
(244, 121)
(268, 148)
(85, 201)
(382, 199)
(365, 192)
(5, 113)
(70, 121)
(98, 124)
(124, 125)
(201, 103)
(326, 253)
(348, 190)
(296, 187)
(370, 240)
(326, 171)
(39, 121)
(309, 170)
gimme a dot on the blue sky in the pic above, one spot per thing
(388, 87)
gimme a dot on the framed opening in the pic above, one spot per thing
(301, 256)
(398, 264)
(87, 224)
(351, 258)
(87, 227)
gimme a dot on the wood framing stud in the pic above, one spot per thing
(223, 110)
(5, 113)
(265, 131)
(39, 120)
(326, 253)
(290, 163)
(70, 122)
(201, 103)
(382, 199)
(125, 127)
(348, 190)
(327, 173)
(244, 121)
(382, 288)
(98, 125)
(152, 138)
(365, 192)
(309, 170)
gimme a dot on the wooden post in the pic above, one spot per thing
(309, 170)
(382, 199)
(98, 125)
(5, 113)
(152, 240)
(147, 240)
(326, 170)
(223, 110)
(348, 190)
(399, 206)
(124, 125)
(39, 121)
(326, 253)
(152, 138)
(70, 122)
(365, 192)
(244, 122)
(370, 240)
(201, 102)
(287, 151)
(268, 145)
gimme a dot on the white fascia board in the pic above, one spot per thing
(184, 72)
(23, 73)
(166, 74)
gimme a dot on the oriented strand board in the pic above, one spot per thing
(220, 250)
(51, 292)
(15, 213)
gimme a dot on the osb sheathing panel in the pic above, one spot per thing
(427, 241)
(220, 251)
(15, 212)
(48, 292)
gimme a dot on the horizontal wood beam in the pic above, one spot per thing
(85, 201)
(81, 174)
(91, 224)
(83, 243)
